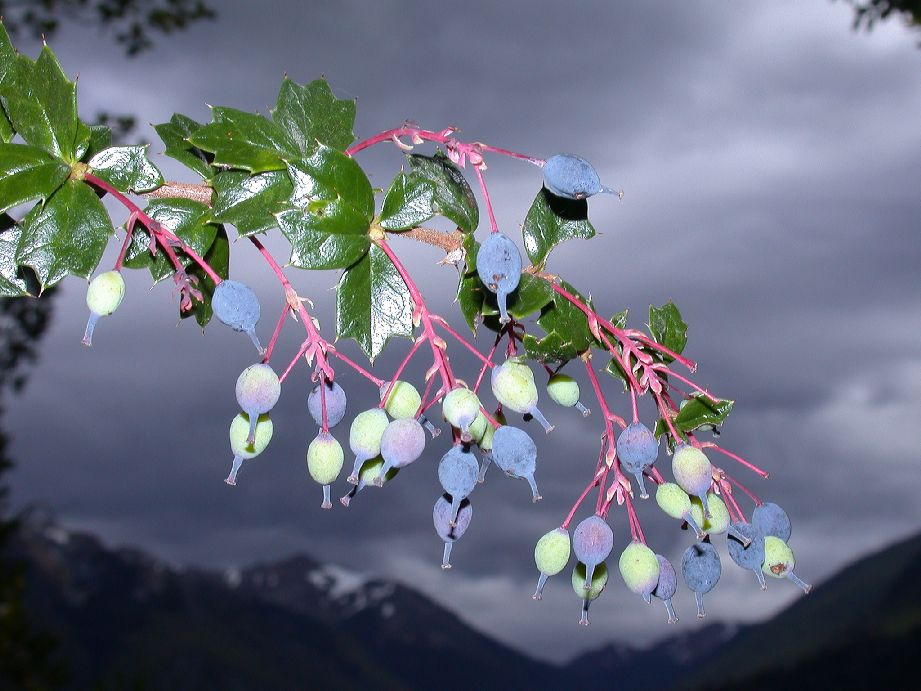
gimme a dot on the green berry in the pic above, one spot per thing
(365, 437)
(513, 386)
(599, 581)
(718, 521)
(779, 561)
(324, 462)
(404, 400)
(564, 390)
(103, 296)
(460, 408)
(676, 503)
(639, 567)
(551, 554)
(242, 449)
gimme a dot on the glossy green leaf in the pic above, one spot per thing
(7, 54)
(668, 328)
(408, 203)
(42, 104)
(100, 138)
(551, 348)
(250, 202)
(6, 127)
(188, 219)
(452, 196)
(470, 290)
(696, 412)
(82, 140)
(244, 140)
(11, 283)
(552, 220)
(616, 370)
(218, 258)
(311, 113)
(568, 320)
(528, 298)
(28, 173)
(65, 236)
(319, 249)
(175, 134)
(126, 168)
(373, 303)
(328, 177)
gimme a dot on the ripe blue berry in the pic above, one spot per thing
(770, 519)
(751, 555)
(516, 453)
(637, 449)
(592, 542)
(402, 442)
(335, 399)
(498, 263)
(667, 586)
(572, 177)
(451, 523)
(701, 569)
(237, 306)
(457, 473)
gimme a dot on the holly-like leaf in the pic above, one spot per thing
(696, 412)
(332, 205)
(218, 258)
(550, 348)
(244, 140)
(126, 168)
(452, 196)
(568, 320)
(27, 173)
(66, 235)
(373, 303)
(188, 219)
(250, 202)
(42, 104)
(408, 202)
(318, 249)
(668, 328)
(175, 134)
(311, 113)
(11, 283)
(552, 220)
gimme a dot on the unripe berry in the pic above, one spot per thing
(404, 400)
(639, 568)
(564, 390)
(692, 470)
(258, 390)
(324, 463)
(103, 296)
(242, 449)
(779, 561)
(460, 408)
(599, 579)
(513, 386)
(365, 438)
(551, 554)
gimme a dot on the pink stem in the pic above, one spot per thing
(575, 507)
(300, 352)
(492, 216)
(487, 362)
(129, 233)
(664, 368)
(751, 466)
(751, 495)
(355, 366)
(275, 334)
(396, 375)
(154, 228)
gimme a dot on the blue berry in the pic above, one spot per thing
(572, 177)
(457, 473)
(498, 263)
(701, 569)
(637, 449)
(515, 452)
(237, 306)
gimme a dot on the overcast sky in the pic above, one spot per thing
(770, 160)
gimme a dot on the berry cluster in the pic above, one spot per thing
(296, 170)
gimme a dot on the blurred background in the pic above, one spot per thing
(769, 155)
